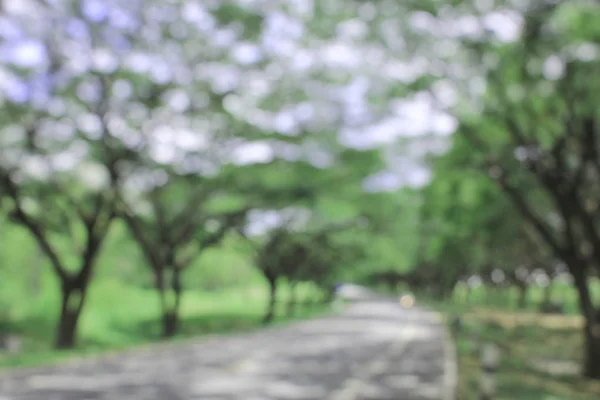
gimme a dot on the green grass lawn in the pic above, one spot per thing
(122, 310)
(540, 355)
(509, 298)
(119, 316)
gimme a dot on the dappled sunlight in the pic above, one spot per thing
(327, 200)
(510, 319)
(535, 359)
(314, 359)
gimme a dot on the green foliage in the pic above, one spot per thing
(519, 184)
(540, 353)
(135, 147)
(252, 21)
(174, 137)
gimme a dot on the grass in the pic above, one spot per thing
(540, 355)
(120, 316)
(122, 310)
(508, 298)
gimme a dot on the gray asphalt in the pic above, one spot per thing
(374, 350)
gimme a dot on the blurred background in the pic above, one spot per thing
(175, 168)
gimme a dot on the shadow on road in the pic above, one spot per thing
(373, 349)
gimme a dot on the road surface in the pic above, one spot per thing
(374, 350)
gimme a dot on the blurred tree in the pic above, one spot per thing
(82, 207)
(307, 255)
(549, 139)
(525, 94)
(182, 218)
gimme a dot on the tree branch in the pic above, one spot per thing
(33, 226)
(516, 197)
(150, 251)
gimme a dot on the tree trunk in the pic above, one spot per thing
(270, 313)
(522, 300)
(591, 363)
(35, 278)
(468, 293)
(547, 299)
(171, 301)
(448, 289)
(170, 323)
(591, 357)
(329, 295)
(292, 302)
(73, 297)
(486, 292)
(439, 292)
(391, 285)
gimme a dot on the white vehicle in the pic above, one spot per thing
(352, 292)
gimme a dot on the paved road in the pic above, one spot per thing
(374, 350)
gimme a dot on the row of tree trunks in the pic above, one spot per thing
(292, 301)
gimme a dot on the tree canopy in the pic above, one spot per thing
(422, 141)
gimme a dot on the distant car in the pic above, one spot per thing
(350, 291)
